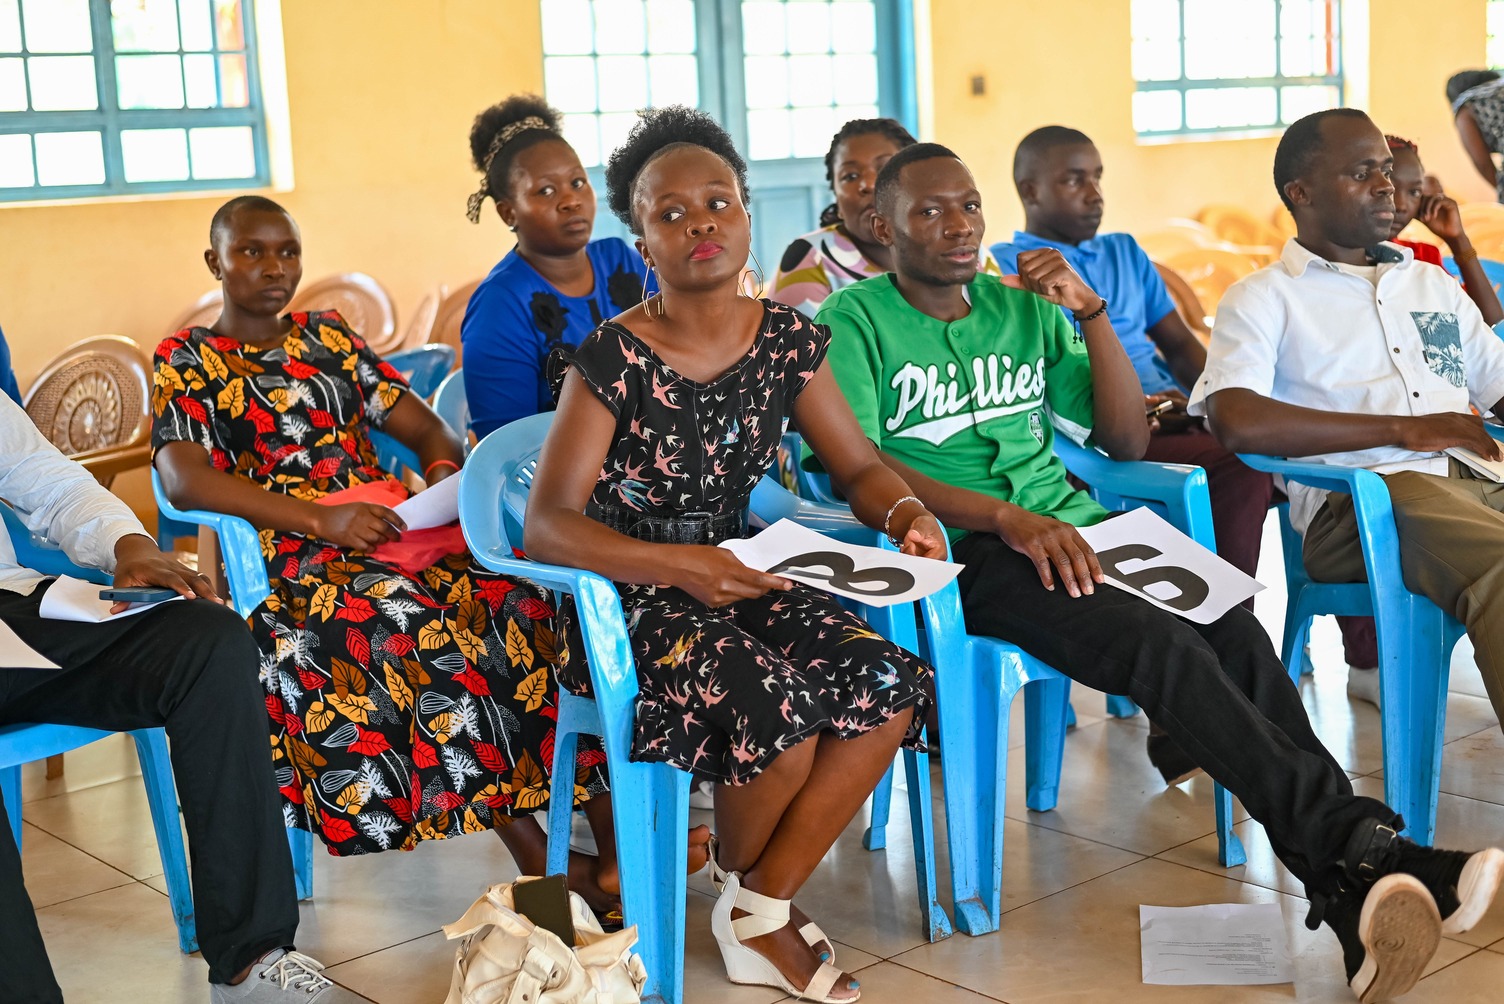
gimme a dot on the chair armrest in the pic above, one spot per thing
(239, 543)
(1372, 509)
(608, 652)
(1179, 491)
(772, 502)
(41, 555)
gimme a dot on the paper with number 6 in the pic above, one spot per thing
(1144, 555)
(871, 575)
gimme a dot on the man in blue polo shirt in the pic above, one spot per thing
(1058, 173)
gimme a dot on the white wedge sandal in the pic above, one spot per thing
(811, 933)
(764, 916)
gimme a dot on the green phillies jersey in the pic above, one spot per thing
(972, 402)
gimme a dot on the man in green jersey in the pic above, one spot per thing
(962, 381)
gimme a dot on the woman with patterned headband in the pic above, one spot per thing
(556, 284)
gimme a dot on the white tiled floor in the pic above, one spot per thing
(1073, 880)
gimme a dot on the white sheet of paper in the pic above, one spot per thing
(869, 574)
(1220, 944)
(1146, 556)
(1493, 470)
(435, 506)
(16, 654)
(70, 599)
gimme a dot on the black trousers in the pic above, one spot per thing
(1219, 690)
(191, 667)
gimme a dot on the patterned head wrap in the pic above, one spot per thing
(501, 139)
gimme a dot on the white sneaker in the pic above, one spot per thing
(1363, 685)
(283, 978)
(702, 795)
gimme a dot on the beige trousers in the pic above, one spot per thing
(1451, 532)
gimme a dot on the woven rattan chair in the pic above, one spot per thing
(1209, 271)
(204, 312)
(361, 301)
(1187, 304)
(446, 326)
(91, 403)
(420, 326)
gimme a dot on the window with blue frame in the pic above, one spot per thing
(1496, 33)
(1210, 66)
(126, 97)
(781, 76)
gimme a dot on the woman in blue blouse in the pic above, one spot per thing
(556, 285)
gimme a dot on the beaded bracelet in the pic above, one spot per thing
(888, 519)
(429, 469)
(1093, 315)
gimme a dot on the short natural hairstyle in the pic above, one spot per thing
(219, 227)
(1033, 147)
(499, 134)
(886, 189)
(892, 129)
(1299, 146)
(1459, 83)
(657, 131)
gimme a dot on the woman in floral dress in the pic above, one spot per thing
(669, 416)
(410, 695)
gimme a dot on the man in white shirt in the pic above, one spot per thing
(1349, 352)
(190, 667)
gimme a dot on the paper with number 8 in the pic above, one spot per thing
(871, 575)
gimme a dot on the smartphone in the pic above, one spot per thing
(545, 902)
(1159, 409)
(136, 594)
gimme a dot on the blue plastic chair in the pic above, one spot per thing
(453, 406)
(423, 366)
(22, 743)
(1416, 637)
(1493, 269)
(650, 801)
(245, 573)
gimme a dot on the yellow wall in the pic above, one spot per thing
(1068, 62)
(382, 92)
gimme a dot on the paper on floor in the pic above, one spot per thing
(435, 506)
(70, 599)
(1146, 556)
(868, 574)
(1220, 944)
(16, 654)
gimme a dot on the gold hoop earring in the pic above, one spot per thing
(645, 298)
(756, 271)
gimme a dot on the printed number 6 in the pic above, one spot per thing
(880, 581)
(1193, 588)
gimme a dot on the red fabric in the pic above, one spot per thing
(1429, 253)
(418, 549)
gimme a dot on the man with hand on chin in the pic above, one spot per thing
(188, 666)
(957, 379)
(1348, 351)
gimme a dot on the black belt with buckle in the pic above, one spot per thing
(680, 528)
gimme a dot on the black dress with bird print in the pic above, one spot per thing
(724, 690)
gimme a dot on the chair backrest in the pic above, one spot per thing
(239, 546)
(1282, 223)
(420, 326)
(1187, 303)
(204, 312)
(512, 451)
(1209, 271)
(1237, 225)
(363, 303)
(452, 404)
(93, 396)
(423, 366)
(446, 326)
(1493, 269)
